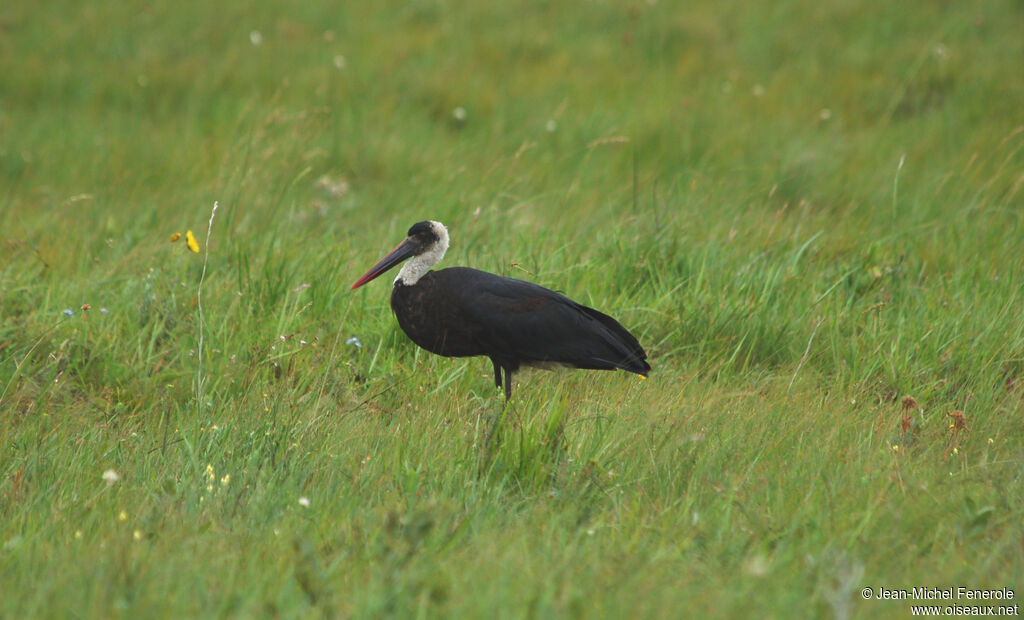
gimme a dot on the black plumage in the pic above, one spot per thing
(463, 312)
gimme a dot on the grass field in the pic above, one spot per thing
(808, 212)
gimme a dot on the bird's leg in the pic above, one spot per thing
(497, 374)
(494, 428)
(508, 384)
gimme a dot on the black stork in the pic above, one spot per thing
(463, 312)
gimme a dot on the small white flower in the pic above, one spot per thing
(110, 476)
(756, 566)
(339, 61)
(459, 113)
(256, 37)
(354, 342)
(304, 502)
(333, 187)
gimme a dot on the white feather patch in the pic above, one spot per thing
(418, 265)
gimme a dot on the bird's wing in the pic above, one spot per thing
(528, 322)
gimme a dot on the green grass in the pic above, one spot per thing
(806, 212)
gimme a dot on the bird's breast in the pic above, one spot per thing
(433, 319)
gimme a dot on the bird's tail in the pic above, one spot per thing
(624, 350)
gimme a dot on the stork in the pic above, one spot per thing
(464, 312)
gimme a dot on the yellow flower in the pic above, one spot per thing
(956, 450)
(224, 481)
(896, 448)
(190, 239)
(123, 516)
(137, 535)
(78, 533)
(175, 237)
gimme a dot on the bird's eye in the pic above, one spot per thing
(422, 235)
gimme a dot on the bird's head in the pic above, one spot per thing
(425, 243)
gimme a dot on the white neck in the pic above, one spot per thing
(418, 265)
